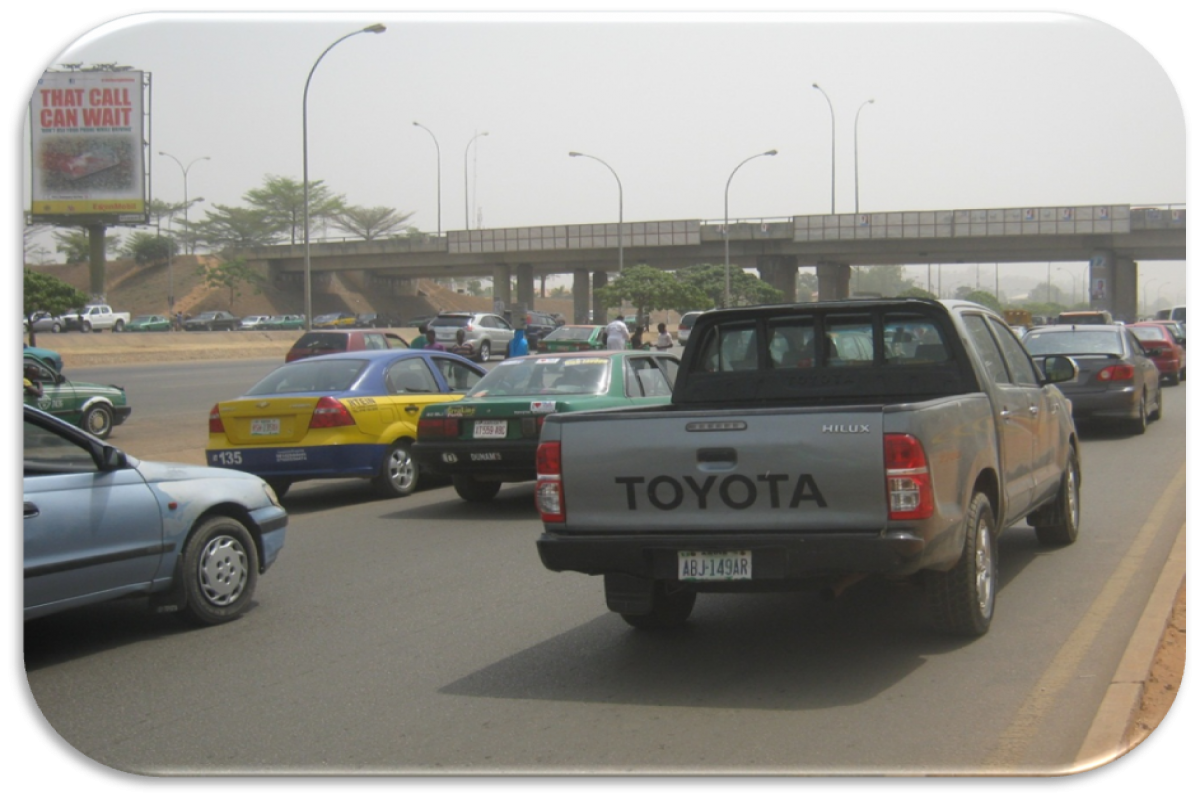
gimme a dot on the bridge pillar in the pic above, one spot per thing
(1125, 290)
(581, 296)
(525, 285)
(599, 313)
(833, 280)
(780, 272)
(502, 285)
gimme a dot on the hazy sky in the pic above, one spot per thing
(970, 111)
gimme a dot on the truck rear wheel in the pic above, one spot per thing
(962, 600)
(670, 609)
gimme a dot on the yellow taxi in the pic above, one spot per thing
(347, 415)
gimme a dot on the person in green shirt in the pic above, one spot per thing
(421, 340)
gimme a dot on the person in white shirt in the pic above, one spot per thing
(664, 341)
(616, 334)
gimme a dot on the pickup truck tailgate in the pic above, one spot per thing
(814, 469)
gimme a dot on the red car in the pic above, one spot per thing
(322, 343)
(1163, 348)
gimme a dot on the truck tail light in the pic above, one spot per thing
(549, 493)
(438, 428)
(909, 489)
(1117, 372)
(330, 413)
(215, 425)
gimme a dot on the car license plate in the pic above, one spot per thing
(264, 427)
(731, 565)
(485, 429)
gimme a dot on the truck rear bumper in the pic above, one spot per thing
(774, 556)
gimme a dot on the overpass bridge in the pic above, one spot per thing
(1112, 239)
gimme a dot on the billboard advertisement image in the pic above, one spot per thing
(88, 162)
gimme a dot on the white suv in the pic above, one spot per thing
(485, 333)
(685, 325)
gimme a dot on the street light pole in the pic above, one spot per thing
(726, 231)
(620, 209)
(466, 185)
(1074, 280)
(376, 28)
(439, 175)
(171, 260)
(860, 108)
(832, 152)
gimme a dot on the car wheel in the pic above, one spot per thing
(1137, 425)
(118, 326)
(56, 328)
(98, 421)
(398, 474)
(1063, 519)
(1158, 404)
(279, 485)
(85, 326)
(475, 491)
(962, 600)
(219, 572)
(485, 352)
(671, 608)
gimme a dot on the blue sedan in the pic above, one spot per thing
(101, 524)
(344, 415)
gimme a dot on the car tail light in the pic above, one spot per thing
(549, 493)
(330, 413)
(438, 428)
(1117, 372)
(215, 425)
(909, 488)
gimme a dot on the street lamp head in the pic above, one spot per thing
(378, 27)
(815, 86)
(771, 153)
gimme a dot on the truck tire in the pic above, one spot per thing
(85, 326)
(962, 600)
(118, 326)
(671, 609)
(475, 491)
(219, 571)
(1062, 520)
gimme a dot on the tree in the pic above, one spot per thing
(228, 228)
(917, 291)
(149, 248)
(984, 299)
(744, 288)
(49, 294)
(648, 289)
(886, 280)
(370, 223)
(75, 244)
(282, 202)
(231, 275)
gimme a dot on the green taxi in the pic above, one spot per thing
(94, 407)
(285, 322)
(149, 322)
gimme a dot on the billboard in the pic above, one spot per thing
(88, 162)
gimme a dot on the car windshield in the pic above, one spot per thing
(1077, 342)
(571, 333)
(310, 377)
(543, 376)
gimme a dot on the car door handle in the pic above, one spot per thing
(412, 409)
(31, 510)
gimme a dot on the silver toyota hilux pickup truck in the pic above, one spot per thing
(808, 446)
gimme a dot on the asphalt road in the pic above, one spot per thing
(423, 636)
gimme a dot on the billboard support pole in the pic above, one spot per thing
(96, 259)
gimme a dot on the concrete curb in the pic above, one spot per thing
(1106, 739)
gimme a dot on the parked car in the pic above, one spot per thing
(573, 338)
(285, 322)
(338, 319)
(685, 325)
(44, 322)
(1163, 348)
(254, 322)
(92, 406)
(486, 333)
(420, 322)
(324, 342)
(1117, 381)
(212, 321)
(538, 325)
(490, 436)
(376, 319)
(95, 317)
(349, 415)
(149, 322)
(101, 524)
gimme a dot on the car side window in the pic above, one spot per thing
(47, 452)
(1019, 363)
(411, 376)
(644, 378)
(985, 345)
(459, 377)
